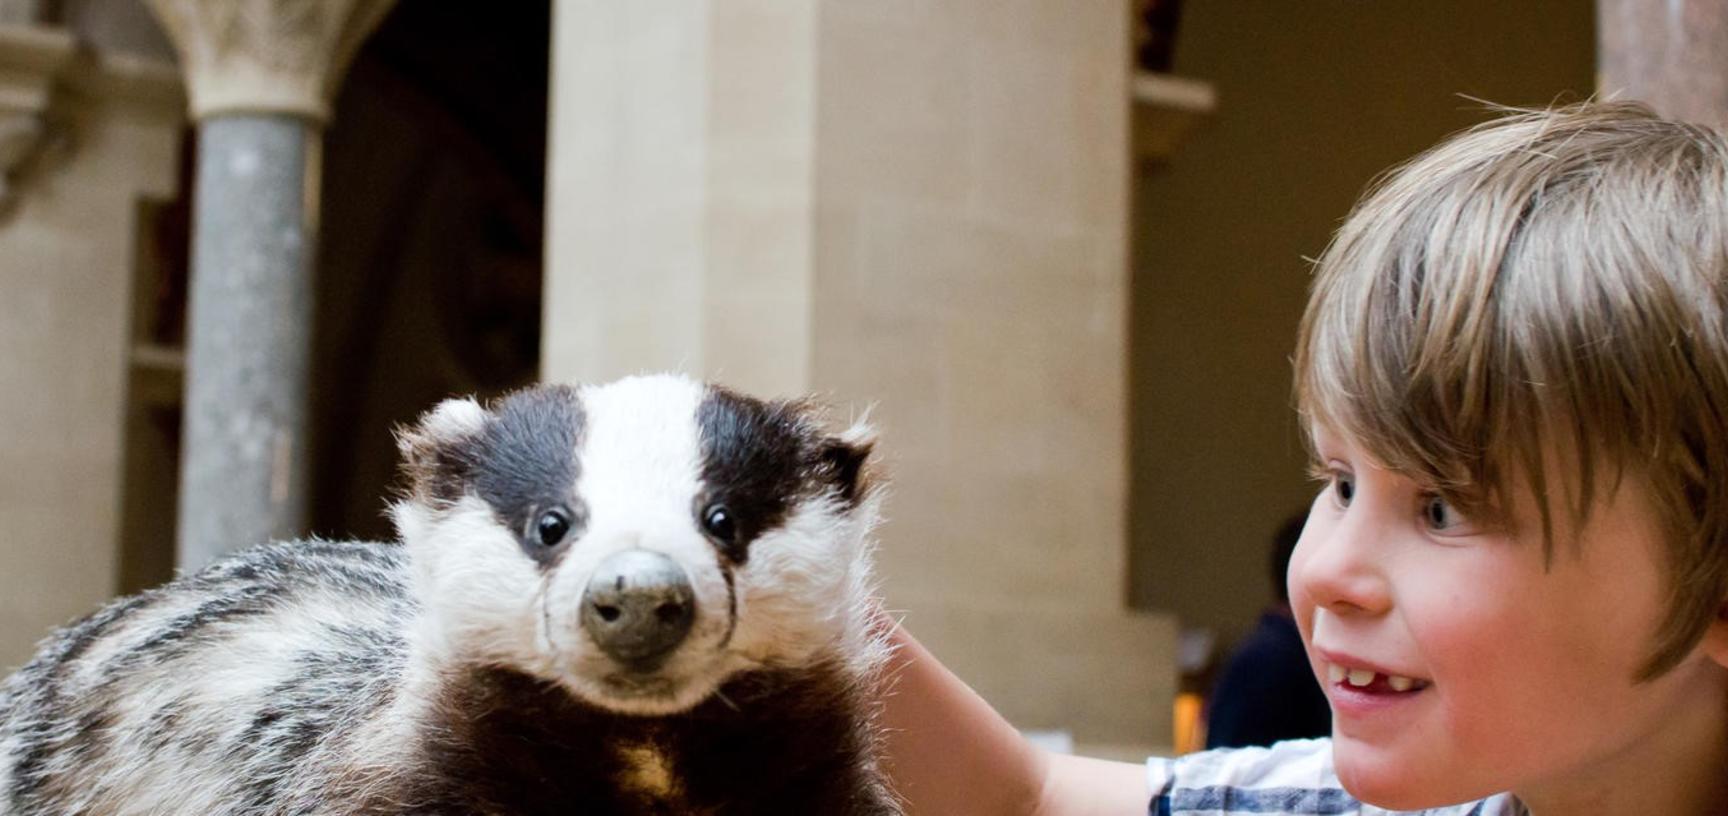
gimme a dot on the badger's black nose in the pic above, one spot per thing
(638, 607)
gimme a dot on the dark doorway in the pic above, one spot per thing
(430, 265)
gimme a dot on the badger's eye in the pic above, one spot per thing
(718, 521)
(552, 527)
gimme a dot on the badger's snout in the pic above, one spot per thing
(638, 607)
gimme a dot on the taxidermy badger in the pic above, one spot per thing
(648, 597)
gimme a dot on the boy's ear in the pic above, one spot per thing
(1715, 643)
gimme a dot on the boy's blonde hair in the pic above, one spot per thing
(1542, 297)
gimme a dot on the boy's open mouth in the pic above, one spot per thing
(1371, 682)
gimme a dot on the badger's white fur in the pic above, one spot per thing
(456, 673)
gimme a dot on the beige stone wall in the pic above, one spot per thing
(971, 233)
(1315, 99)
(66, 257)
(919, 207)
(682, 135)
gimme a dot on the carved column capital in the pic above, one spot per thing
(266, 56)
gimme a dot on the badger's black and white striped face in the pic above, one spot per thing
(638, 542)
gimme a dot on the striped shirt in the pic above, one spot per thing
(1292, 778)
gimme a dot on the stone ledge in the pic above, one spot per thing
(1167, 109)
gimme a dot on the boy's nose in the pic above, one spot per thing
(1337, 566)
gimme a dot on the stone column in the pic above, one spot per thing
(1668, 53)
(921, 206)
(681, 197)
(261, 75)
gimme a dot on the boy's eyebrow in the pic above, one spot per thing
(1318, 471)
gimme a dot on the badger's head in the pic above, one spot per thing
(638, 542)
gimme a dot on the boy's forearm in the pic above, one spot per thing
(1082, 786)
(950, 754)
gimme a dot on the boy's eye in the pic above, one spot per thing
(1335, 478)
(1344, 487)
(1441, 515)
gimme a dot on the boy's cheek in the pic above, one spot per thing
(1302, 606)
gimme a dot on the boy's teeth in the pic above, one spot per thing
(1362, 678)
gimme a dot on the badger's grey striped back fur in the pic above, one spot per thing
(476, 667)
(249, 688)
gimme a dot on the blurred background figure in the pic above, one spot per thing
(1267, 690)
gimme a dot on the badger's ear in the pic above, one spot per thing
(432, 449)
(846, 462)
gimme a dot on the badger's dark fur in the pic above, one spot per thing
(455, 673)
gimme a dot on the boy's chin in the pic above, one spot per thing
(1390, 780)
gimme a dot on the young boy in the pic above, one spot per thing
(1513, 371)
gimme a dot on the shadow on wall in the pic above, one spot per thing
(431, 257)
